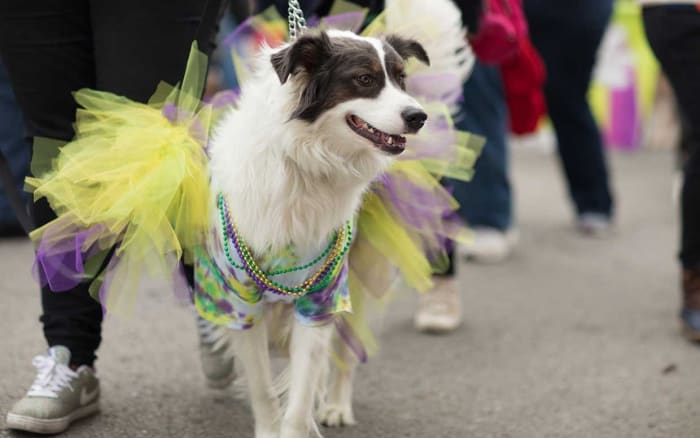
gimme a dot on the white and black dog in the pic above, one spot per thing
(321, 118)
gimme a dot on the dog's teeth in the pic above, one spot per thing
(390, 140)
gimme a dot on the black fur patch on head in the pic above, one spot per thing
(339, 69)
(394, 66)
(308, 53)
(408, 48)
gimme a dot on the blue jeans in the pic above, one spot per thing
(486, 201)
(567, 35)
(13, 145)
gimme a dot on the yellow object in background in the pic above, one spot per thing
(624, 82)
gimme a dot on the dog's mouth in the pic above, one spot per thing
(389, 143)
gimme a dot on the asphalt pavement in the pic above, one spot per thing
(571, 337)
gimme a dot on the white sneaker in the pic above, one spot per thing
(594, 225)
(440, 309)
(490, 245)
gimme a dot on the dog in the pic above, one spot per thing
(321, 119)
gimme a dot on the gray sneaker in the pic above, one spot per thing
(440, 309)
(215, 354)
(58, 396)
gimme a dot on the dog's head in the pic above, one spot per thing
(352, 89)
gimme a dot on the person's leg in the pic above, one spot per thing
(568, 39)
(486, 201)
(674, 35)
(440, 309)
(687, 142)
(139, 44)
(47, 48)
(16, 151)
(690, 243)
(133, 67)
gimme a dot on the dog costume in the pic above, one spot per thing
(133, 200)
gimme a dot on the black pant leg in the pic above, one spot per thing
(47, 48)
(451, 267)
(567, 35)
(133, 67)
(141, 43)
(55, 47)
(674, 36)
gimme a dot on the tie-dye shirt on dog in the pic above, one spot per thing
(227, 296)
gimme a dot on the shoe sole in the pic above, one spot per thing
(49, 426)
(436, 327)
(221, 383)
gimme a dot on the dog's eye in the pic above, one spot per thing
(402, 79)
(365, 80)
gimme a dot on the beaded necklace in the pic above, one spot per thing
(319, 280)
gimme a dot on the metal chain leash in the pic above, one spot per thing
(297, 22)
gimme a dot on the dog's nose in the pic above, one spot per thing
(415, 118)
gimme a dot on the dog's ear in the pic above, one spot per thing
(408, 48)
(308, 53)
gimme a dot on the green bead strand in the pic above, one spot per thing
(248, 258)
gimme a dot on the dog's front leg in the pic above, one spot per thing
(252, 352)
(337, 408)
(308, 357)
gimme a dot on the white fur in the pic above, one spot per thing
(437, 24)
(289, 182)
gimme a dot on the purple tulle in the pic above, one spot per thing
(351, 340)
(430, 213)
(59, 262)
(224, 99)
(197, 129)
(351, 21)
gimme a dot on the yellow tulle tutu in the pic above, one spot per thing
(133, 183)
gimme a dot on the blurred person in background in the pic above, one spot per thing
(485, 202)
(52, 48)
(673, 31)
(15, 150)
(567, 35)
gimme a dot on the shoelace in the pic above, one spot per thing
(211, 334)
(51, 377)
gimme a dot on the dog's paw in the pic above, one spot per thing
(266, 434)
(267, 430)
(337, 416)
(295, 429)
